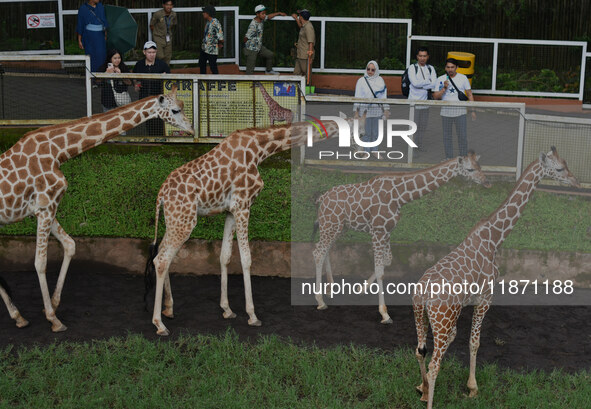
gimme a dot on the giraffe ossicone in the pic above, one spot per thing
(225, 179)
(473, 261)
(373, 207)
(32, 184)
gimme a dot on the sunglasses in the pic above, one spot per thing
(371, 69)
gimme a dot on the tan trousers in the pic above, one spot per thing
(164, 51)
(301, 67)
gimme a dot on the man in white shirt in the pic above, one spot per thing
(446, 89)
(422, 80)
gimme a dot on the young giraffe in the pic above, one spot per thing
(473, 261)
(31, 183)
(225, 179)
(374, 207)
(276, 111)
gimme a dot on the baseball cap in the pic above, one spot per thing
(260, 7)
(305, 14)
(150, 44)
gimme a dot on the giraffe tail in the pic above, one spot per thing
(150, 271)
(316, 227)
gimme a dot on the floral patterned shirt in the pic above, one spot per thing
(212, 35)
(254, 36)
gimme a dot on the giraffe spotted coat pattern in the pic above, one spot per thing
(32, 184)
(226, 179)
(276, 111)
(473, 261)
(374, 207)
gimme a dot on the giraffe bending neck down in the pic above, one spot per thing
(473, 261)
(276, 111)
(226, 179)
(32, 184)
(374, 207)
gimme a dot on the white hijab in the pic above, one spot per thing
(377, 83)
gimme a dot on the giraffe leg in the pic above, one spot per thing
(241, 218)
(477, 317)
(422, 326)
(44, 223)
(168, 310)
(378, 245)
(69, 247)
(226, 254)
(329, 277)
(12, 310)
(320, 257)
(443, 330)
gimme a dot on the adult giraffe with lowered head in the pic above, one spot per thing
(473, 262)
(225, 179)
(32, 184)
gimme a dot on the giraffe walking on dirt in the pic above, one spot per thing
(473, 261)
(276, 111)
(32, 184)
(225, 179)
(374, 207)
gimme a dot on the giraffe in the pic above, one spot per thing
(473, 261)
(225, 179)
(276, 111)
(374, 207)
(32, 184)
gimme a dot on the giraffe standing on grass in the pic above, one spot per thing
(473, 261)
(276, 111)
(32, 184)
(374, 207)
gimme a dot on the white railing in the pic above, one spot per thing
(322, 48)
(496, 41)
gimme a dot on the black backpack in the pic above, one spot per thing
(405, 85)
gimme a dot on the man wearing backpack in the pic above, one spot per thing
(421, 78)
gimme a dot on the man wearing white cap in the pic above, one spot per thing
(151, 65)
(253, 40)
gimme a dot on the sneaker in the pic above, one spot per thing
(272, 72)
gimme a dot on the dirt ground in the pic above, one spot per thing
(98, 303)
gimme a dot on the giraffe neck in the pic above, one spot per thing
(76, 137)
(502, 221)
(283, 137)
(427, 180)
(270, 102)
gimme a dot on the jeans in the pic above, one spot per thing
(460, 122)
(251, 59)
(204, 58)
(371, 132)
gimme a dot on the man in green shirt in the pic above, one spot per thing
(253, 40)
(305, 44)
(162, 25)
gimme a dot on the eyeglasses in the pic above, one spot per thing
(371, 69)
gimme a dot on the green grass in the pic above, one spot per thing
(222, 372)
(112, 192)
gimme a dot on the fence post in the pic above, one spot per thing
(520, 142)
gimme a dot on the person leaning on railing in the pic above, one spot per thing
(253, 40)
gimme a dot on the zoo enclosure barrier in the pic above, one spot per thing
(496, 58)
(505, 136)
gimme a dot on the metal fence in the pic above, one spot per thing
(506, 138)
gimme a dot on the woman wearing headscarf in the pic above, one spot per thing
(371, 85)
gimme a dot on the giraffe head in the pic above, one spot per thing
(555, 167)
(170, 109)
(468, 166)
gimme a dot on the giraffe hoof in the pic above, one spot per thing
(473, 394)
(255, 323)
(387, 321)
(420, 388)
(322, 307)
(229, 315)
(21, 322)
(163, 332)
(168, 313)
(58, 327)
